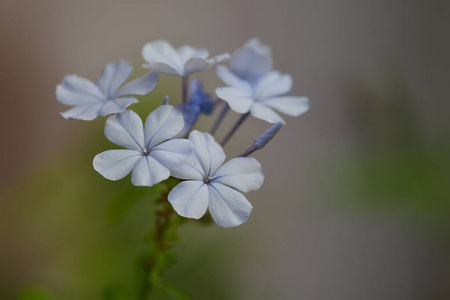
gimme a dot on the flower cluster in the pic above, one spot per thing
(158, 149)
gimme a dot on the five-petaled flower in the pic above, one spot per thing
(150, 152)
(270, 93)
(105, 97)
(185, 60)
(209, 184)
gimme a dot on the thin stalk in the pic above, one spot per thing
(185, 89)
(219, 119)
(249, 151)
(235, 127)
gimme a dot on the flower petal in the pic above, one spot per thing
(265, 113)
(190, 199)
(162, 57)
(113, 76)
(207, 151)
(239, 100)
(162, 124)
(118, 105)
(227, 206)
(140, 86)
(86, 112)
(148, 171)
(251, 64)
(75, 90)
(172, 153)
(231, 79)
(186, 52)
(125, 130)
(274, 84)
(289, 105)
(242, 173)
(197, 64)
(191, 169)
(116, 164)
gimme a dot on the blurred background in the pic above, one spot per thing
(356, 199)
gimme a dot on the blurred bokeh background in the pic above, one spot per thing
(356, 198)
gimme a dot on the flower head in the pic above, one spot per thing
(185, 60)
(150, 151)
(270, 93)
(248, 64)
(214, 185)
(105, 96)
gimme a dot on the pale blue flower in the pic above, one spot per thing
(105, 97)
(150, 152)
(248, 64)
(185, 60)
(269, 94)
(209, 184)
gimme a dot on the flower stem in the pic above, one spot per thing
(249, 151)
(185, 88)
(235, 127)
(219, 119)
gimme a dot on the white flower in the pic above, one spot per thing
(270, 93)
(185, 60)
(248, 64)
(104, 97)
(150, 153)
(211, 184)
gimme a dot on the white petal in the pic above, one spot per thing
(86, 112)
(125, 130)
(231, 79)
(116, 164)
(250, 64)
(162, 57)
(197, 64)
(118, 105)
(75, 90)
(162, 124)
(242, 173)
(186, 52)
(148, 171)
(113, 76)
(227, 206)
(163, 68)
(191, 169)
(140, 86)
(190, 199)
(289, 105)
(172, 153)
(265, 113)
(274, 84)
(239, 100)
(207, 151)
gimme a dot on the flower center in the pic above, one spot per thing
(145, 152)
(207, 179)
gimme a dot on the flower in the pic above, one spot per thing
(150, 153)
(199, 102)
(209, 184)
(248, 64)
(270, 93)
(185, 60)
(104, 97)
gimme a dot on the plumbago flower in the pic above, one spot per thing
(209, 184)
(269, 94)
(185, 60)
(105, 97)
(254, 88)
(248, 64)
(150, 151)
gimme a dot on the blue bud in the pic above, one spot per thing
(199, 98)
(267, 136)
